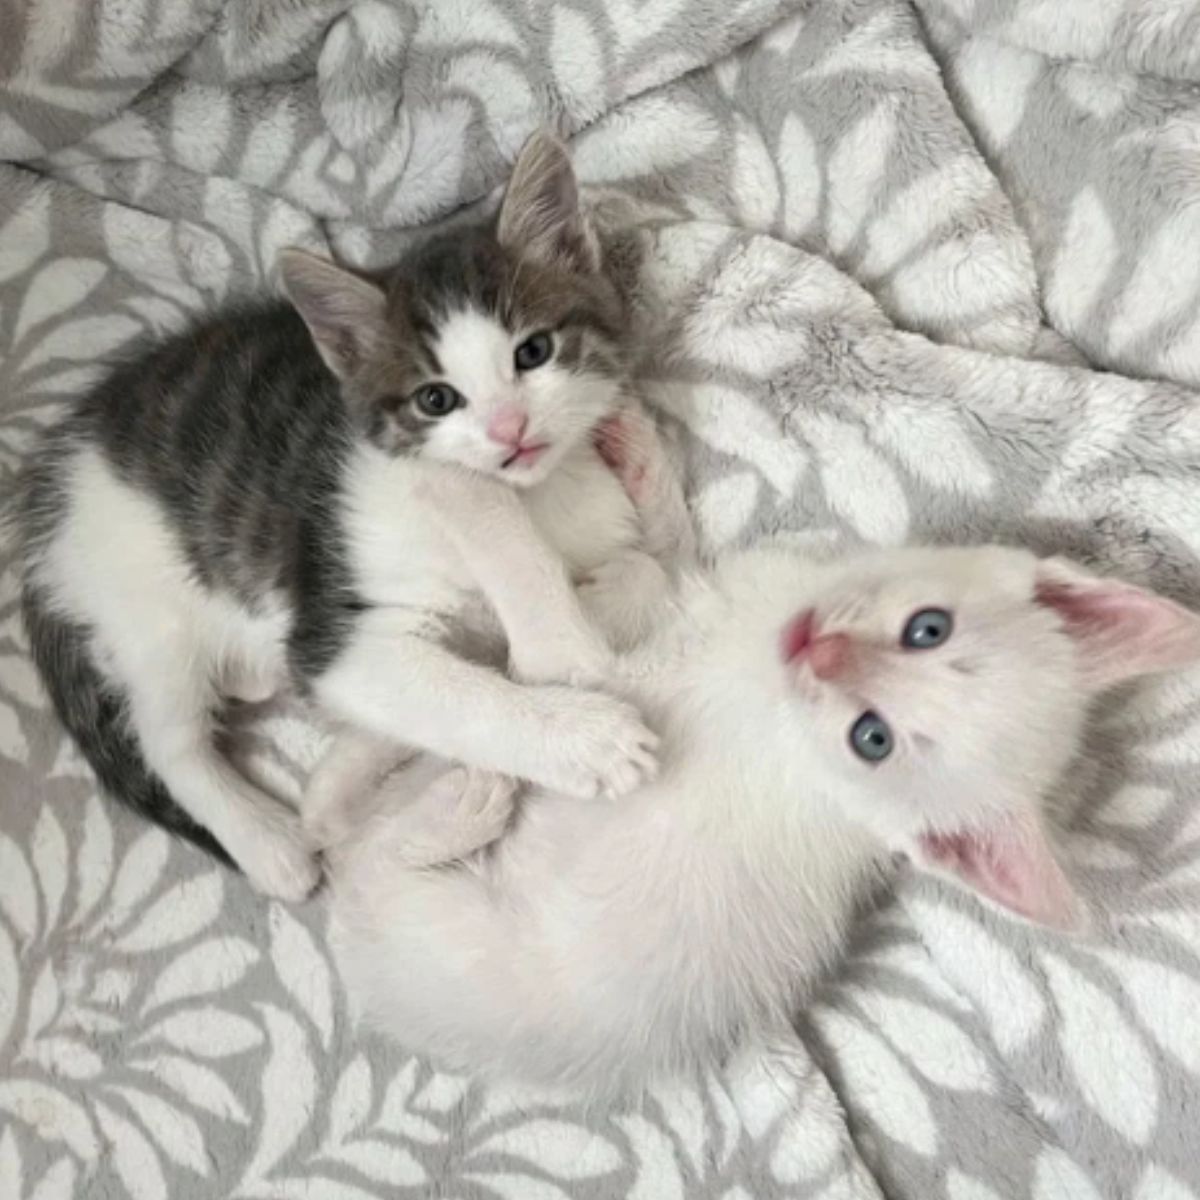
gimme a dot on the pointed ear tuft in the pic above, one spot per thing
(1009, 861)
(541, 216)
(1121, 630)
(345, 313)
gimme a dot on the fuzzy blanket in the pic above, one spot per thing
(886, 245)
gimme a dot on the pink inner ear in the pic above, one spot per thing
(1122, 630)
(1011, 864)
(1098, 611)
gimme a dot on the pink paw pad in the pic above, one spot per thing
(619, 443)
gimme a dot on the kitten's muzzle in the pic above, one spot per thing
(803, 644)
(509, 426)
(525, 456)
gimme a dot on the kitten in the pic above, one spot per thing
(621, 566)
(328, 492)
(815, 719)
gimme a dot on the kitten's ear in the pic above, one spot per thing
(1009, 861)
(1122, 631)
(345, 314)
(541, 215)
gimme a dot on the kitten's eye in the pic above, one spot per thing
(928, 628)
(871, 738)
(436, 399)
(533, 352)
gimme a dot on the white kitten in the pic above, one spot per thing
(815, 719)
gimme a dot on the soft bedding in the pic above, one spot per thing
(906, 271)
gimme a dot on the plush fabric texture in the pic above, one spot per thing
(880, 243)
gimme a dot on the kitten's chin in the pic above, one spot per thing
(530, 469)
(520, 473)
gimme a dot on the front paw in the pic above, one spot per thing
(460, 813)
(582, 663)
(599, 746)
(325, 826)
(625, 441)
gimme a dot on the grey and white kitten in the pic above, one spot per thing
(816, 718)
(323, 492)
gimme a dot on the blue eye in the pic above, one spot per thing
(871, 738)
(533, 352)
(928, 628)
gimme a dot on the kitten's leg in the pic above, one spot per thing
(396, 685)
(251, 668)
(625, 597)
(344, 785)
(460, 812)
(263, 837)
(550, 639)
(251, 685)
(630, 443)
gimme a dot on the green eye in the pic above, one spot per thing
(436, 399)
(533, 352)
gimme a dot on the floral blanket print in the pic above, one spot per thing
(911, 269)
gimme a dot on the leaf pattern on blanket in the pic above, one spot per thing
(1100, 155)
(809, 200)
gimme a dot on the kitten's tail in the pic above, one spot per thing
(96, 716)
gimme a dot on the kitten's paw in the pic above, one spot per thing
(485, 808)
(282, 865)
(341, 789)
(327, 808)
(461, 812)
(324, 811)
(253, 687)
(583, 662)
(601, 747)
(626, 442)
(574, 654)
(485, 803)
(325, 827)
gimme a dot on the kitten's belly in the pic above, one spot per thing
(618, 884)
(585, 921)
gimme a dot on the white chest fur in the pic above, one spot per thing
(401, 557)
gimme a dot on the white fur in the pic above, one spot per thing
(602, 944)
(116, 566)
(576, 741)
(471, 535)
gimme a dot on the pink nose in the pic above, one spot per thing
(826, 653)
(797, 636)
(507, 424)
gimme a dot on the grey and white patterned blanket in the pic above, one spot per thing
(882, 243)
